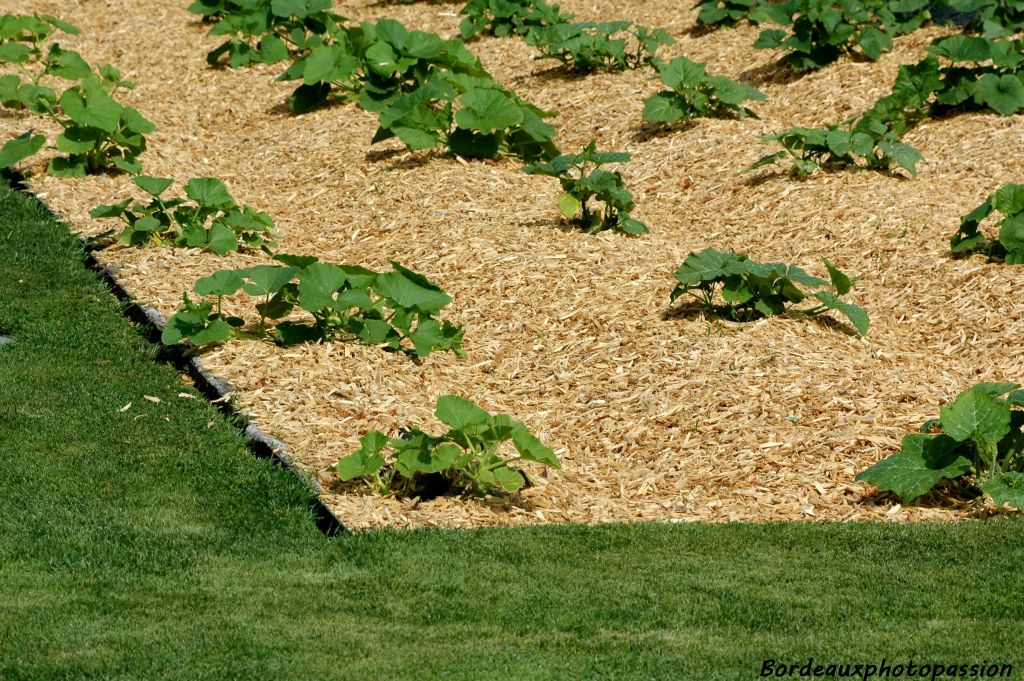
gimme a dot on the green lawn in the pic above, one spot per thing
(149, 544)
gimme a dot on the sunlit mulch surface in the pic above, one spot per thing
(655, 411)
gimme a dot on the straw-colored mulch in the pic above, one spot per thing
(655, 415)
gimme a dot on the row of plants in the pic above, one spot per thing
(818, 32)
(960, 73)
(394, 310)
(97, 132)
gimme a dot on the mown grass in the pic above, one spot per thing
(147, 543)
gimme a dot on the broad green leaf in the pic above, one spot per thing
(20, 148)
(381, 58)
(874, 42)
(209, 192)
(443, 457)
(182, 324)
(1011, 233)
(838, 142)
(457, 413)
(508, 479)
(632, 225)
(709, 265)
(376, 332)
(264, 280)
(904, 155)
(136, 122)
(1008, 199)
(427, 336)
(320, 63)
(300, 261)
(91, 106)
(366, 460)
(15, 53)
(318, 284)
(1004, 94)
(856, 314)
(220, 283)
(128, 164)
(569, 205)
(289, 8)
(682, 73)
(221, 240)
(978, 416)
(664, 107)
(923, 460)
(487, 110)
(57, 23)
(770, 38)
(1006, 488)
(68, 64)
(840, 281)
(79, 140)
(532, 449)
(416, 138)
(995, 389)
(115, 210)
(409, 289)
(152, 185)
(217, 332)
(272, 49)
(148, 223)
(960, 48)
(73, 166)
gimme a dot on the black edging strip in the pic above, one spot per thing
(209, 386)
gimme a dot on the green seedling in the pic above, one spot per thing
(755, 289)
(468, 456)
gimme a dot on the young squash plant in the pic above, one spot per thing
(978, 73)
(508, 17)
(394, 310)
(821, 31)
(763, 289)
(693, 93)
(264, 31)
(722, 13)
(598, 46)
(1009, 243)
(99, 134)
(470, 117)
(811, 148)
(583, 179)
(209, 218)
(467, 457)
(374, 64)
(977, 444)
(993, 77)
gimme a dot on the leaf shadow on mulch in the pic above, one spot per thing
(772, 73)
(736, 319)
(648, 131)
(498, 502)
(945, 495)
